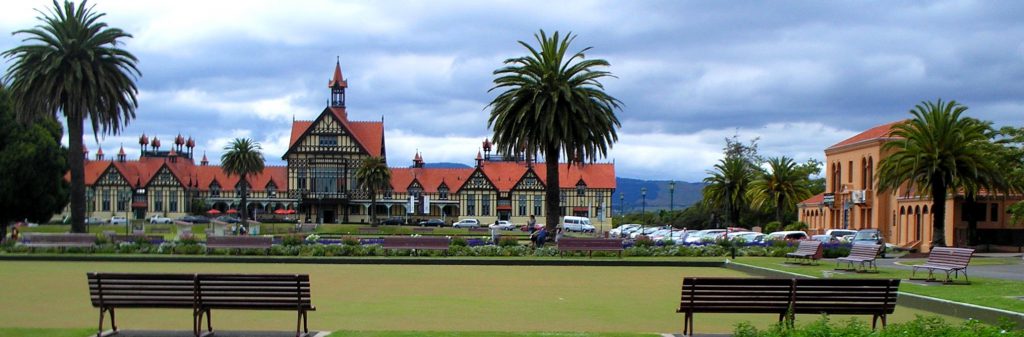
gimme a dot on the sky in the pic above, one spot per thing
(799, 76)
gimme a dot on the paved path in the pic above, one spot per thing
(1006, 272)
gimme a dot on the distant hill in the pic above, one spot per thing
(658, 196)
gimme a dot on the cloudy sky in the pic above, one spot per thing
(799, 75)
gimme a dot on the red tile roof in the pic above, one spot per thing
(881, 131)
(298, 128)
(368, 134)
(337, 79)
(817, 199)
(429, 178)
(139, 173)
(504, 176)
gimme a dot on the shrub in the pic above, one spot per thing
(773, 226)
(831, 252)
(350, 241)
(292, 240)
(459, 241)
(643, 241)
(546, 251)
(506, 241)
(797, 226)
(920, 326)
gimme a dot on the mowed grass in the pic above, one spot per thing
(384, 300)
(995, 293)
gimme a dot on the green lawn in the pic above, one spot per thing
(377, 298)
(995, 293)
(15, 332)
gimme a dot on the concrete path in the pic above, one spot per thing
(1007, 272)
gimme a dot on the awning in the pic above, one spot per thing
(505, 207)
(580, 209)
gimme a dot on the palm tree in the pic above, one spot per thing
(780, 187)
(73, 66)
(553, 103)
(939, 151)
(726, 187)
(242, 158)
(373, 175)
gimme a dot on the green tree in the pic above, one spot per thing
(32, 181)
(939, 151)
(811, 170)
(243, 158)
(726, 187)
(779, 188)
(553, 103)
(373, 175)
(72, 65)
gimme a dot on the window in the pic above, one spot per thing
(443, 193)
(215, 190)
(470, 204)
(849, 167)
(158, 201)
(388, 193)
(561, 197)
(122, 200)
(994, 213)
(415, 192)
(172, 204)
(106, 200)
(537, 205)
(485, 204)
(301, 177)
(271, 190)
(328, 140)
(522, 205)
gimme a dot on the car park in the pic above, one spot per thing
(118, 220)
(871, 236)
(393, 221)
(576, 224)
(749, 237)
(825, 238)
(467, 223)
(787, 236)
(702, 235)
(839, 234)
(504, 225)
(619, 231)
(195, 219)
(432, 223)
(642, 231)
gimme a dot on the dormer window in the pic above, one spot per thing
(581, 189)
(328, 140)
(388, 193)
(415, 192)
(443, 193)
(215, 190)
(271, 190)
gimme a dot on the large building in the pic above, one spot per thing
(318, 181)
(851, 201)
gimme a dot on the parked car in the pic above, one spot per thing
(679, 236)
(432, 222)
(660, 234)
(825, 238)
(869, 236)
(94, 221)
(576, 224)
(839, 234)
(504, 225)
(619, 231)
(787, 236)
(194, 219)
(229, 219)
(393, 221)
(467, 223)
(701, 235)
(749, 237)
(159, 219)
(118, 220)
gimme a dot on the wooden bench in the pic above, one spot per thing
(240, 241)
(201, 293)
(416, 243)
(590, 245)
(305, 228)
(863, 254)
(776, 296)
(949, 260)
(368, 230)
(36, 240)
(808, 250)
(875, 297)
(152, 239)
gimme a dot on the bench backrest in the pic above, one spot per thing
(588, 243)
(412, 242)
(947, 256)
(76, 239)
(864, 251)
(240, 241)
(258, 291)
(810, 247)
(142, 290)
(742, 295)
(845, 296)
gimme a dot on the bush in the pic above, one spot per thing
(459, 241)
(773, 226)
(920, 326)
(292, 240)
(797, 226)
(507, 241)
(350, 241)
(643, 241)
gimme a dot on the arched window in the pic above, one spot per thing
(870, 173)
(864, 173)
(925, 210)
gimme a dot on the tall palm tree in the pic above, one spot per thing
(939, 151)
(374, 176)
(780, 187)
(242, 158)
(726, 187)
(553, 103)
(72, 65)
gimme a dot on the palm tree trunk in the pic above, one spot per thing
(245, 208)
(373, 208)
(778, 209)
(938, 213)
(971, 203)
(76, 160)
(552, 189)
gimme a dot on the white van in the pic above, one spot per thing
(576, 224)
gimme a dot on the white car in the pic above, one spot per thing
(467, 223)
(699, 236)
(749, 237)
(118, 220)
(660, 234)
(787, 236)
(160, 219)
(643, 231)
(504, 225)
(623, 229)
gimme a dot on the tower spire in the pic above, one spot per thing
(337, 85)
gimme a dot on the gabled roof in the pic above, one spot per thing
(369, 135)
(875, 133)
(429, 178)
(139, 173)
(817, 199)
(337, 80)
(594, 175)
(503, 175)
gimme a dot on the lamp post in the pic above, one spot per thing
(672, 195)
(622, 205)
(122, 196)
(90, 194)
(643, 209)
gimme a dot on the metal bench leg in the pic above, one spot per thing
(113, 321)
(298, 325)
(209, 322)
(305, 323)
(99, 331)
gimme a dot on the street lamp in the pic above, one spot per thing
(122, 196)
(622, 205)
(672, 195)
(90, 194)
(643, 209)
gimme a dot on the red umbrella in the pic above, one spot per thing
(213, 211)
(232, 211)
(280, 211)
(291, 211)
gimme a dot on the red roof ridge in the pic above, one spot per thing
(873, 133)
(817, 199)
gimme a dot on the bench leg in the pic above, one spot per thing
(209, 323)
(305, 322)
(99, 330)
(688, 324)
(298, 324)
(113, 320)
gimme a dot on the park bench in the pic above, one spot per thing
(863, 254)
(152, 239)
(305, 228)
(36, 240)
(422, 230)
(589, 245)
(201, 293)
(368, 230)
(416, 243)
(949, 260)
(782, 296)
(239, 241)
(808, 250)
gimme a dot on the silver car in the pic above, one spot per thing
(467, 223)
